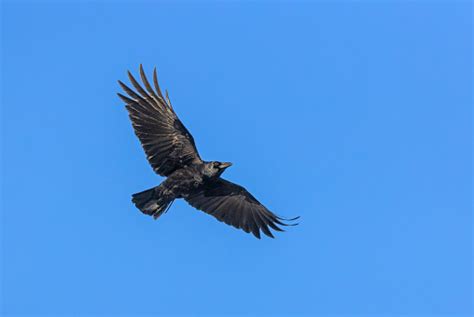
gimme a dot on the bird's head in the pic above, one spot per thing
(215, 168)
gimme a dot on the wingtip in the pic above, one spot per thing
(256, 234)
(293, 219)
(131, 77)
(284, 221)
(288, 219)
(125, 99)
(156, 84)
(121, 84)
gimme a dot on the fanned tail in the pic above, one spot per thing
(152, 202)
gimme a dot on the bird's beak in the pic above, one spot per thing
(225, 165)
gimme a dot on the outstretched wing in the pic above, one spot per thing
(234, 205)
(167, 143)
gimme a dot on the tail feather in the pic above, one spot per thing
(151, 202)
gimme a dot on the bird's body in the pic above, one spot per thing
(179, 184)
(183, 181)
(172, 153)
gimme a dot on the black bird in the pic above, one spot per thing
(172, 153)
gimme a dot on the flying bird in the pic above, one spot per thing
(172, 153)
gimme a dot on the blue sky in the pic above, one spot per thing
(354, 115)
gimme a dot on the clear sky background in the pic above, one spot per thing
(354, 115)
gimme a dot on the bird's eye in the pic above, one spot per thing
(216, 164)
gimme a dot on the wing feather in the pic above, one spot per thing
(157, 86)
(167, 143)
(147, 84)
(235, 206)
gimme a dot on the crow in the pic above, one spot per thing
(172, 153)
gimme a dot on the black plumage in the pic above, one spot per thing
(172, 153)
